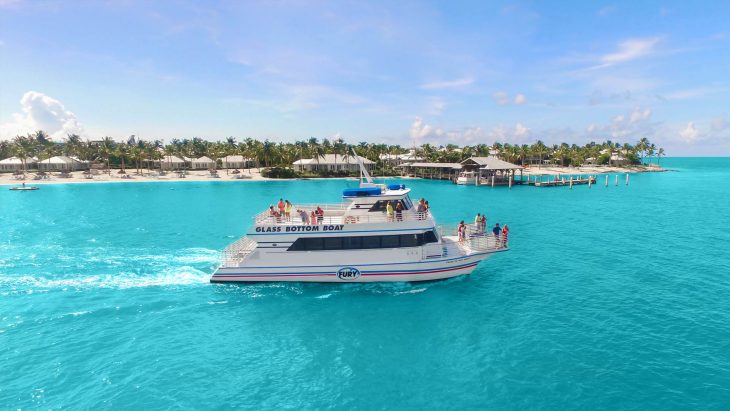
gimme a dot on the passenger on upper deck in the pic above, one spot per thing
(287, 210)
(399, 211)
(389, 211)
(281, 206)
(320, 215)
(303, 215)
(313, 218)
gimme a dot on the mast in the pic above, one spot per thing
(364, 175)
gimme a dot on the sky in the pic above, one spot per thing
(397, 72)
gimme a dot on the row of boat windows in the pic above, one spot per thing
(380, 205)
(362, 242)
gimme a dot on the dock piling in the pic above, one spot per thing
(606, 180)
(616, 180)
(627, 178)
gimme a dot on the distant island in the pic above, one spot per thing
(309, 158)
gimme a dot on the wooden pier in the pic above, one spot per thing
(559, 182)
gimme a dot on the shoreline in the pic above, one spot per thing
(77, 177)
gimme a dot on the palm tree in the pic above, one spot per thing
(122, 151)
(106, 149)
(659, 155)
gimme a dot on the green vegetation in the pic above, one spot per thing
(134, 153)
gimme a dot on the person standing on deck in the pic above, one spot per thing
(505, 233)
(483, 223)
(389, 211)
(478, 222)
(461, 231)
(303, 215)
(421, 209)
(496, 231)
(287, 210)
(281, 206)
(399, 211)
(320, 215)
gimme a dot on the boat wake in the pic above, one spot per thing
(107, 270)
(177, 276)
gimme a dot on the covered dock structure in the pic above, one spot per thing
(436, 171)
(492, 171)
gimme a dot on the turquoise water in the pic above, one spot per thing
(613, 298)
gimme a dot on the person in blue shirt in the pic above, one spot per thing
(496, 231)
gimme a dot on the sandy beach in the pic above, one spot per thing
(590, 170)
(254, 174)
(131, 177)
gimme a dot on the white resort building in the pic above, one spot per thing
(236, 162)
(332, 162)
(61, 163)
(16, 164)
(203, 163)
(398, 159)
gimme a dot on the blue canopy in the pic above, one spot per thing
(361, 192)
(396, 186)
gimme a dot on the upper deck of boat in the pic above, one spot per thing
(339, 214)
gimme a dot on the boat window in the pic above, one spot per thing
(351, 243)
(333, 243)
(363, 242)
(390, 241)
(372, 241)
(381, 204)
(430, 237)
(407, 203)
(411, 240)
(314, 244)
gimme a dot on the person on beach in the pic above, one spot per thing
(287, 210)
(281, 206)
(389, 211)
(505, 232)
(399, 211)
(496, 231)
(461, 231)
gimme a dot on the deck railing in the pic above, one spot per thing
(334, 214)
(237, 252)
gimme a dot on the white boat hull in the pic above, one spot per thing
(387, 272)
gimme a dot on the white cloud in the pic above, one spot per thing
(41, 112)
(513, 135)
(520, 99)
(501, 98)
(631, 50)
(690, 133)
(456, 83)
(639, 115)
(421, 131)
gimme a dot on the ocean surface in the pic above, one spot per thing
(610, 298)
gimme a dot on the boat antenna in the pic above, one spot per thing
(364, 175)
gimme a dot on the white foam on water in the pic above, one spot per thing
(415, 291)
(185, 275)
